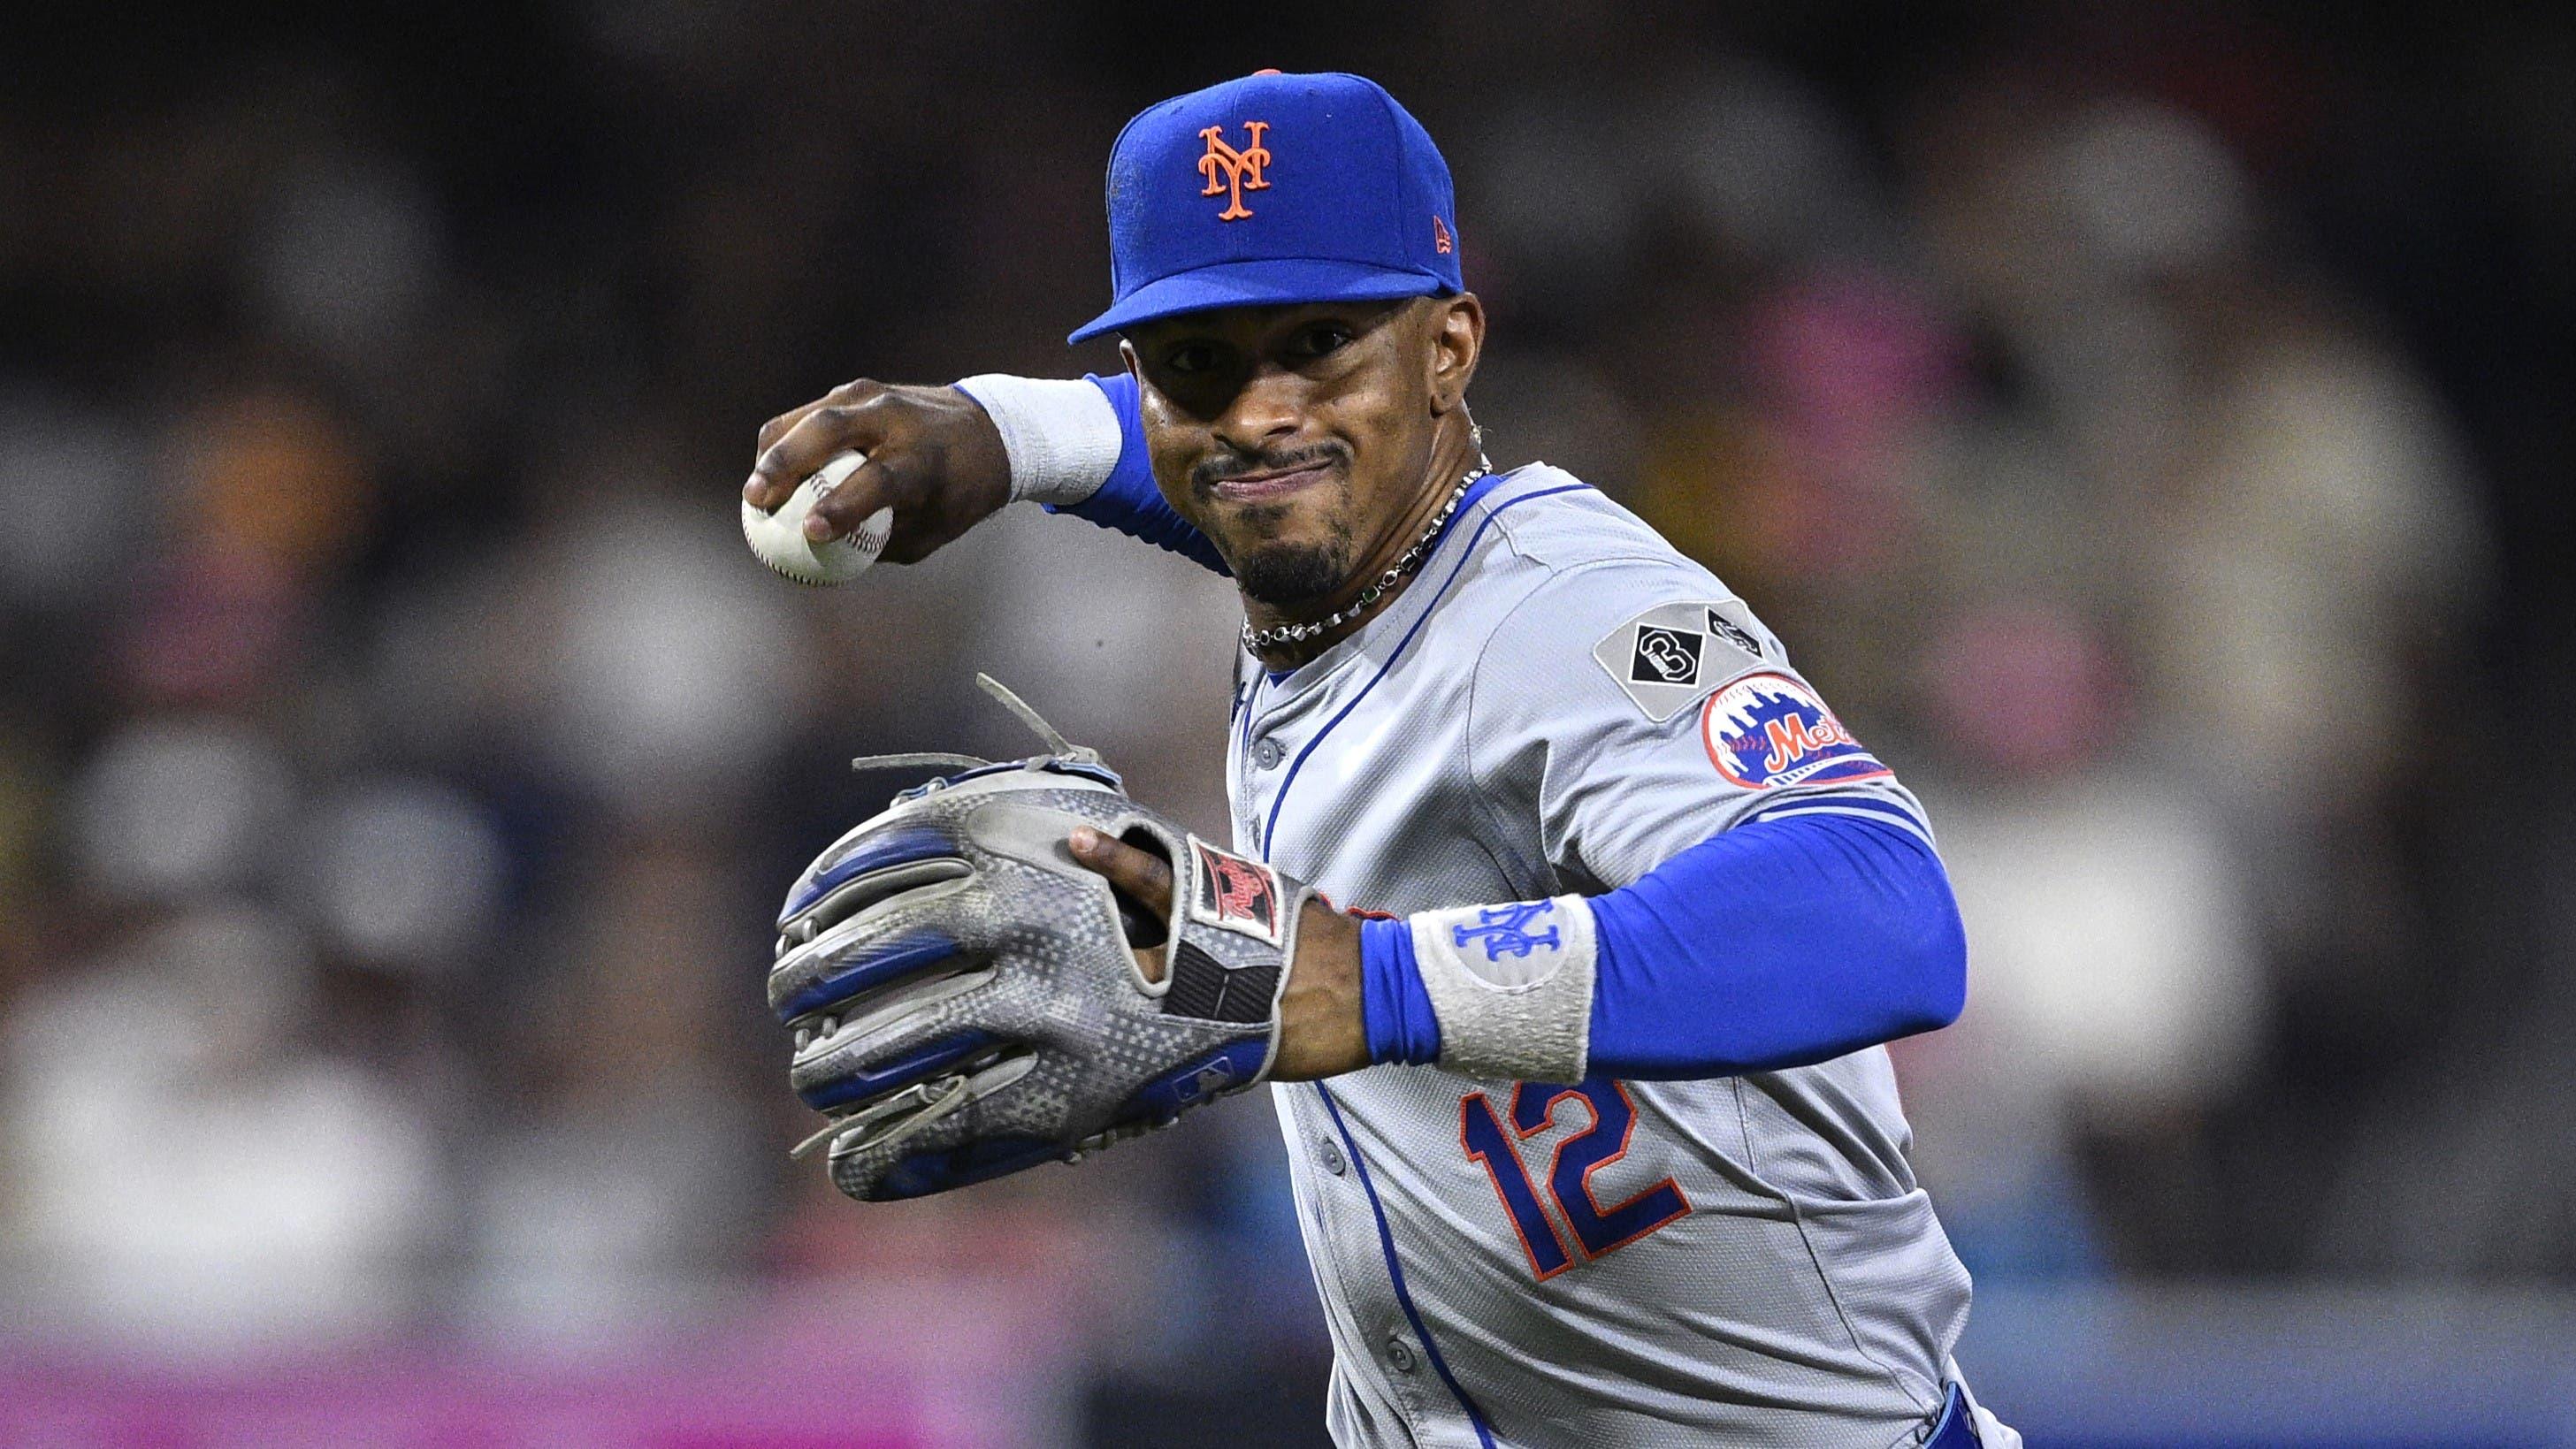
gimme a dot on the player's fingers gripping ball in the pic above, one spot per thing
(779, 537)
(965, 997)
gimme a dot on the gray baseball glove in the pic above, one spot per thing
(967, 1000)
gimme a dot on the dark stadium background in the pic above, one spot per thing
(2149, 423)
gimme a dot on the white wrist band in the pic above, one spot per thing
(1512, 986)
(1062, 437)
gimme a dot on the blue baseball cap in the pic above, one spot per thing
(1275, 189)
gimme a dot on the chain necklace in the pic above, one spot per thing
(1255, 640)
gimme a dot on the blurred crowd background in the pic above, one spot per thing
(2149, 424)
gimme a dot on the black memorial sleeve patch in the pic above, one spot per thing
(1666, 658)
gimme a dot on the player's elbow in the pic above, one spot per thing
(1940, 986)
(1897, 902)
(1935, 951)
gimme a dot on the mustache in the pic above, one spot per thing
(1220, 466)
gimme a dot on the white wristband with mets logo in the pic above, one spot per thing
(1062, 437)
(1512, 987)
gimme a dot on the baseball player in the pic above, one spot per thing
(1593, 1136)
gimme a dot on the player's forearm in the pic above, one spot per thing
(1074, 455)
(1775, 945)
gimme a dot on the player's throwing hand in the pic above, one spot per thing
(933, 456)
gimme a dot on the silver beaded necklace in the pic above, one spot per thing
(1255, 640)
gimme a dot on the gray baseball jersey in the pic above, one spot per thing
(1560, 702)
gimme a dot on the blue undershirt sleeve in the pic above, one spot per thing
(1129, 502)
(1394, 1006)
(1777, 944)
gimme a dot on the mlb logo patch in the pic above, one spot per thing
(1765, 730)
(1234, 893)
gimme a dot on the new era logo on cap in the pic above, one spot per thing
(1275, 189)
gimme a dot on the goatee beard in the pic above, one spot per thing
(1285, 577)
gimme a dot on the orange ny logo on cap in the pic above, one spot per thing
(1242, 168)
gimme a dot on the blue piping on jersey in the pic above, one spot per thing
(1395, 1270)
(1385, 1234)
(1246, 710)
(1270, 826)
(1866, 804)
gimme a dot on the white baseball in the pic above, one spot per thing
(779, 538)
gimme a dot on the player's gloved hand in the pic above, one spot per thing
(934, 457)
(967, 998)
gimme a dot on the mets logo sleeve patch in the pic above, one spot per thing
(1666, 657)
(1767, 729)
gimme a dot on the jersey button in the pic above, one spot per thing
(1329, 1153)
(1267, 753)
(1400, 1356)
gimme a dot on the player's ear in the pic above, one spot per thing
(1127, 354)
(1457, 340)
